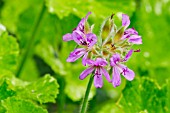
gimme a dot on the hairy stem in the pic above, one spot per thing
(85, 100)
(30, 44)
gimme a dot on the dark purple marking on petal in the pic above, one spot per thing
(81, 24)
(91, 39)
(127, 73)
(79, 37)
(98, 81)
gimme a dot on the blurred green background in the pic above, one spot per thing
(38, 26)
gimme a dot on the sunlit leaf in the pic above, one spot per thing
(143, 94)
(8, 53)
(11, 12)
(80, 8)
(43, 90)
(17, 105)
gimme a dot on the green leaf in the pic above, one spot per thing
(11, 12)
(16, 105)
(46, 51)
(2, 109)
(43, 90)
(9, 50)
(110, 108)
(5, 92)
(30, 68)
(143, 94)
(80, 8)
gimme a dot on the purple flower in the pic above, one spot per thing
(86, 40)
(80, 27)
(118, 68)
(98, 67)
(131, 34)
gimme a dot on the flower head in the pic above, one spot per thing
(80, 29)
(83, 38)
(98, 67)
(111, 52)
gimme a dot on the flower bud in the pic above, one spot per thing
(87, 28)
(118, 35)
(106, 27)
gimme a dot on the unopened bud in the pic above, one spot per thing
(107, 27)
(87, 28)
(118, 35)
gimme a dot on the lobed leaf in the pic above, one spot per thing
(17, 105)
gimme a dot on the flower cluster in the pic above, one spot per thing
(109, 51)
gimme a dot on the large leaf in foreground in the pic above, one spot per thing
(16, 105)
(144, 95)
(43, 90)
(65, 7)
(9, 50)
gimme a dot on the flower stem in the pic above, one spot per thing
(85, 100)
(30, 44)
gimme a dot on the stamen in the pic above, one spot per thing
(138, 50)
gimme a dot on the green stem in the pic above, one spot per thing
(85, 100)
(30, 42)
(61, 96)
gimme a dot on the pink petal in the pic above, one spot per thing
(116, 80)
(87, 15)
(98, 81)
(91, 39)
(125, 20)
(114, 59)
(127, 73)
(67, 37)
(131, 31)
(106, 74)
(79, 37)
(100, 62)
(76, 54)
(128, 55)
(90, 62)
(136, 39)
(84, 60)
(86, 72)
(125, 37)
(81, 24)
